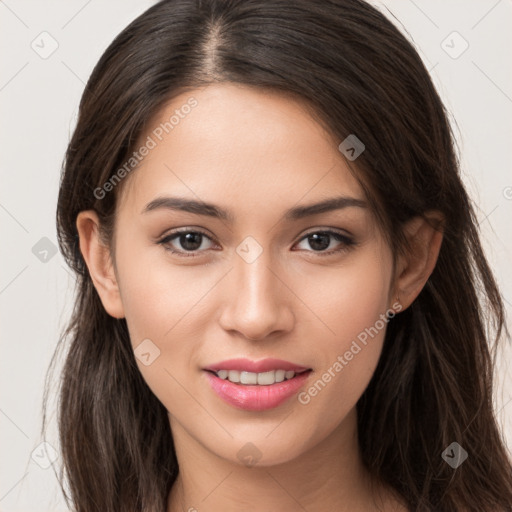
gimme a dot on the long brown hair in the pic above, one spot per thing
(433, 383)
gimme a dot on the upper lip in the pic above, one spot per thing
(263, 365)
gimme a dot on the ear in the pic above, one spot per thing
(424, 236)
(98, 260)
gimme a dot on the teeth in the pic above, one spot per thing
(233, 376)
(250, 378)
(280, 374)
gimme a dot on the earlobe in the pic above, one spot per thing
(425, 236)
(99, 262)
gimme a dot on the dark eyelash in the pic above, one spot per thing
(164, 241)
(347, 242)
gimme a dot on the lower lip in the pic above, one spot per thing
(256, 398)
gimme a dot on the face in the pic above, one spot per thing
(310, 287)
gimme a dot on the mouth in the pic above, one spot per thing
(268, 378)
(256, 385)
(256, 391)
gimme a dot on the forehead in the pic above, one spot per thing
(249, 148)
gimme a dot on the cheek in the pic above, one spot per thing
(352, 305)
(157, 295)
(348, 298)
(165, 313)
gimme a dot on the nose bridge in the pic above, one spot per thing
(253, 273)
(257, 304)
(257, 281)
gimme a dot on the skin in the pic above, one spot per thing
(256, 154)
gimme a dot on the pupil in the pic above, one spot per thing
(319, 240)
(191, 238)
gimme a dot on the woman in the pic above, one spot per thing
(279, 273)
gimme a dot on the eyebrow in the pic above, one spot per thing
(211, 210)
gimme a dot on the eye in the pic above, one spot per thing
(192, 242)
(189, 240)
(321, 240)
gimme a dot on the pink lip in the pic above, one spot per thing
(256, 398)
(246, 365)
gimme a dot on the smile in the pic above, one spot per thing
(257, 397)
(260, 379)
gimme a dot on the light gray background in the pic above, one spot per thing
(39, 100)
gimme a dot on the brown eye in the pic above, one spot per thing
(319, 241)
(185, 241)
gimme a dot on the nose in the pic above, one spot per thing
(258, 301)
